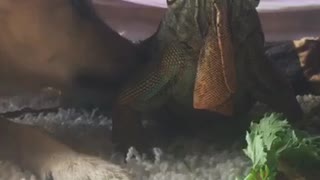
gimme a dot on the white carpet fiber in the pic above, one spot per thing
(194, 161)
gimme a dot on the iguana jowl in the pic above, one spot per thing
(227, 35)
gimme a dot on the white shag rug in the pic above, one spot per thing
(195, 161)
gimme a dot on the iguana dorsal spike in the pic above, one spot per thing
(255, 3)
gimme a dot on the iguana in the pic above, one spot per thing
(194, 37)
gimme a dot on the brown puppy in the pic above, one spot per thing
(61, 44)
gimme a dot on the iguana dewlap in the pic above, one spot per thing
(216, 82)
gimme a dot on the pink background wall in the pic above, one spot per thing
(281, 19)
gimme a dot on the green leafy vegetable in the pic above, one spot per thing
(273, 139)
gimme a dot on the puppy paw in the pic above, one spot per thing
(81, 167)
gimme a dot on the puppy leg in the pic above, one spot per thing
(48, 158)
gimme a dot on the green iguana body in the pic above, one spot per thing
(174, 56)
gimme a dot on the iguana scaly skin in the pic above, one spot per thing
(225, 34)
(215, 82)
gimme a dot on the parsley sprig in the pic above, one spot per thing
(273, 139)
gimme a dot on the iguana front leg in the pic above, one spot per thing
(146, 91)
(127, 129)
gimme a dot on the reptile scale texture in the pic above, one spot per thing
(215, 82)
(206, 56)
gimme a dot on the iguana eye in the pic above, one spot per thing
(170, 2)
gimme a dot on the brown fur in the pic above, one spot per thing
(49, 43)
(36, 151)
(52, 43)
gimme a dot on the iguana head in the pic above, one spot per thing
(191, 20)
(211, 29)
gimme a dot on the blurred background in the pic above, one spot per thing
(281, 19)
